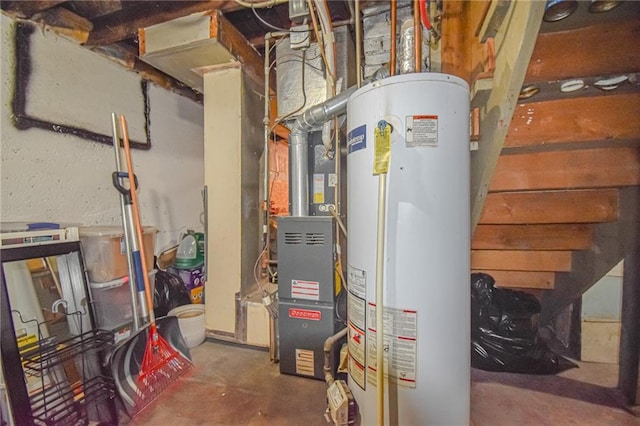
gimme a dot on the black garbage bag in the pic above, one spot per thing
(169, 293)
(504, 331)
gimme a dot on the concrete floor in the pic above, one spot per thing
(234, 385)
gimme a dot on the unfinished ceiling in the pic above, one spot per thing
(110, 27)
(556, 173)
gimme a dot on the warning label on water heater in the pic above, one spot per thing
(422, 130)
(400, 345)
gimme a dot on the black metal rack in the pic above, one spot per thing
(62, 380)
(42, 357)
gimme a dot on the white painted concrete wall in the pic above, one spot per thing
(61, 178)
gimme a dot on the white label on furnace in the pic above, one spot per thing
(422, 130)
(309, 290)
(332, 182)
(357, 280)
(318, 188)
(400, 345)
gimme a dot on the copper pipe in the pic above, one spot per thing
(394, 12)
(417, 35)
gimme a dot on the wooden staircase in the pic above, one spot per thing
(556, 178)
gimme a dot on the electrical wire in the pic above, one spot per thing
(294, 59)
(273, 27)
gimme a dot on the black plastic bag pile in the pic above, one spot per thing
(504, 331)
(169, 293)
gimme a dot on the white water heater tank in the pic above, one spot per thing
(427, 250)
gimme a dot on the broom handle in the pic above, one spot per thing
(136, 222)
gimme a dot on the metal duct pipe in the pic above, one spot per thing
(299, 145)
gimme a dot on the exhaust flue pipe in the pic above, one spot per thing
(299, 144)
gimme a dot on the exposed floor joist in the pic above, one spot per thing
(26, 9)
(125, 23)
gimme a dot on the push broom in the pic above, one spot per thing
(161, 363)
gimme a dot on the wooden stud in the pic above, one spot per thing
(584, 168)
(601, 118)
(582, 206)
(518, 279)
(606, 49)
(521, 260)
(532, 237)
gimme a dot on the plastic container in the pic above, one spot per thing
(105, 253)
(112, 301)
(191, 322)
(190, 252)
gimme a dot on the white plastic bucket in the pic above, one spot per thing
(191, 322)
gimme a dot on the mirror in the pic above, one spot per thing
(50, 350)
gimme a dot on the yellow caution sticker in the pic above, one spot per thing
(382, 147)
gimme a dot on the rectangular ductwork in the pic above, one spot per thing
(187, 47)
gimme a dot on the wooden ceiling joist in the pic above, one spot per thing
(532, 237)
(517, 279)
(607, 49)
(26, 9)
(580, 168)
(521, 260)
(601, 118)
(540, 207)
(63, 21)
(125, 23)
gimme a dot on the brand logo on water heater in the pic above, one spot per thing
(357, 139)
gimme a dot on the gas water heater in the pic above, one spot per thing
(427, 249)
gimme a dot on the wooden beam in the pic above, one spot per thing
(575, 120)
(606, 49)
(532, 237)
(456, 30)
(63, 21)
(26, 9)
(125, 23)
(229, 37)
(582, 206)
(583, 168)
(517, 279)
(514, 43)
(521, 260)
(493, 19)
